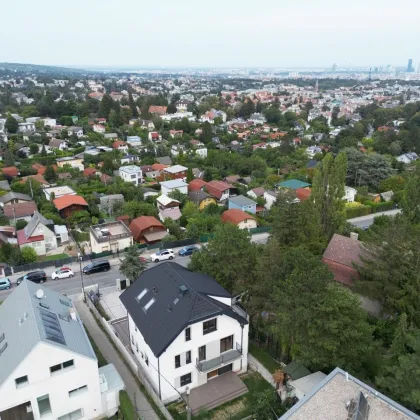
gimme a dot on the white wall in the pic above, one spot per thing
(166, 191)
(226, 326)
(269, 200)
(57, 385)
(247, 224)
(112, 244)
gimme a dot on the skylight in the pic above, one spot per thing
(52, 327)
(141, 294)
(149, 304)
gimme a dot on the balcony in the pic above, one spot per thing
(110, 232)
(224, 359)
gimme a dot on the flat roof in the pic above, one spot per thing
(329, 399)
(59, 191)
(130, 169)
(174, 183)
(175, 169)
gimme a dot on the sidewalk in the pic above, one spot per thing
(145, 410)
(262, 370)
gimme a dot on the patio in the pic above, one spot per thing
(216, 391)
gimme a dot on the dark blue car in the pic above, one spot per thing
(187, 250)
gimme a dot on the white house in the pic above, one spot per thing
(202, 152)
(177, 149)
(173, 185)
(56, 192)
(23, 127)
(98, 128)
(38, 234)
(350, 194)
(407, 157)
(49, 122)
(270, 198)
(203, 334)
(77, 131)
(48, 369)
(311, 151)
(131, 173)
(112, 236)
(134, 141)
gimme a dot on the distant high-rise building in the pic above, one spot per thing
(334, 67)
(316, 86)
(410, 65)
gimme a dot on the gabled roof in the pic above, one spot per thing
(217, 188)
(303, 193)
(20, 209)
(198, 196)
(241, 200)
(235, 216)
(164, 160)
(343, 250)
(293, 184)
(139, 224)
(174, 183)
(69, 200)
(10, 170)
(22, 338)
(36, 218)
(173, 310)
(14, 196)
(196, 185)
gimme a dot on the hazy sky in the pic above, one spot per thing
(234, 33)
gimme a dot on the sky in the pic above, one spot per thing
(217, 33)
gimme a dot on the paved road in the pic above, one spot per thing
(73, 285)
(366, 221)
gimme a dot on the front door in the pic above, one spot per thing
(224, 369)
(212, 374)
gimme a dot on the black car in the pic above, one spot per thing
(35, 276)
(97, 267)
(187, 250)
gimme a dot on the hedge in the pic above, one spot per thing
(377, 207)
(352, 212)
(126, 407)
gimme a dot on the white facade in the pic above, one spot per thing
(350, 194)
(112, 236)
(132, 174)
(48, 244)
(247, 224)
(176, 184)
(270, 198)
(226, 327)
(49, 122)
(202, 152)
(26, 126)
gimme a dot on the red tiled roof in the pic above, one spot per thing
(158, 166)
(69, 200)
(303, 193)
(235, 216)
(216, 188)
(118, 143)
(140, 224)
(21, 238)
(90, 171)
(10, 170)
(154, 109)
(38, 177)
(21, 209)
(196, 185)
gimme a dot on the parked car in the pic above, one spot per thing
(162, 255)
(143, 259)
(35, 276)
(97, 267)
(62, 273)
(187, 250)
(5, 283)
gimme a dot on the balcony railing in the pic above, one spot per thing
(107, 238)
(224, 359)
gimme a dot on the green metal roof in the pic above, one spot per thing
(293, 184)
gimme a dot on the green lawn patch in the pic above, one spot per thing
(101, 359)
(264, 358)
(236, 409)
(54, 257)
(127, 407)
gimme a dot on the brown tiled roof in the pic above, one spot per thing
(154, 109)
(90, 171)
(10, 170)
(139, 224)
(21, 209)
(158, 166)
(232, 179)
(38, 177)
(118, 143)
(216, 188)
(259, 191)
(343, 250)
(69, 200)
(303, 193)
(196, 185)
(235, 216)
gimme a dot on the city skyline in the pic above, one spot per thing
(228, 34)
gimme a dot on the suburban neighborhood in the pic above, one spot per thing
(207, 245)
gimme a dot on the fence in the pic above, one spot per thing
(268, 342)
(135, 368)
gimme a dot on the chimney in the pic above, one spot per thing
(73, 314)
(354, 236)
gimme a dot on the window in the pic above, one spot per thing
(210, 326)
(141, 294)
(188, 334)
(177, 361)
(226, 344)
(74, 415)
(188, 357)
(78, 391)
(44, 405)
(201, 353)
(149, 304)
(186, 379)
(22, 381)
(65, 365)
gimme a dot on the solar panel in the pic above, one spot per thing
(52, 327)
(362, 411)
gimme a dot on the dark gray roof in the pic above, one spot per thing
(14, 195)
(198, 196)
(36, 218)
(4, 185)
(241, 200)
(160, 325)
(22, 337)
(164, 160)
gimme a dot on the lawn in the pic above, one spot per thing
(101, 359)
(264, 358)
(236, 409)
(54, 257)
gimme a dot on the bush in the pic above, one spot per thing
(358, 211)
(29, 255)
(20, 224)
(378, 207)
